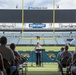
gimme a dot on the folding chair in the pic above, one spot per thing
(73, 68)
(63, 64)
(22, 67)
(69, 61)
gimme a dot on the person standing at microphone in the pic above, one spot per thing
(38, 54)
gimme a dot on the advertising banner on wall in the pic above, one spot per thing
(37, 26)
(47, 56)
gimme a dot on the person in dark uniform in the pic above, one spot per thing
(38, 54)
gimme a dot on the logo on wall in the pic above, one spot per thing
(37, 25)
(52, 56)
(26, 55)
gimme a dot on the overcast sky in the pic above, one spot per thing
(63, 4)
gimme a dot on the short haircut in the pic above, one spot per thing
(3, 40)
(66, 47)
(38, 43)
(62, 48)
(12, 46)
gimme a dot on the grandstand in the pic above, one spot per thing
(16, 37)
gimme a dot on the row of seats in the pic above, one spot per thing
(54, 41)
(60, 37)
(41, 34)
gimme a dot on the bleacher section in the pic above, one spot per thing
(1, 34)
(66, 34)
(60, 38)
(73, 34)
(58, 34)
(12, 34)
(27, 34)
(60, 41)
(7, 34)
(16, 34)
(14, 40)
(50, 42)
(35, 41)
(22, 41)
(48, 34)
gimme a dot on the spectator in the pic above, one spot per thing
(58, 55)
(74, 55)
(73, 65)
(73, 70)
(17, 57)
(7, 54)
(2, 70)
(65, 53)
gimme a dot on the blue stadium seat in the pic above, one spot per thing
(57, 34)
(66, 34)
(14, 40)
(48, 34)
(16, 34)
(1, 34)
(60, 40)
(50, 42)
(23, 41)
(37, 34)
(34, 42)
(27, 34)
(73, 34)
(8, 34)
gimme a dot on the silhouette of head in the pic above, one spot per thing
(66, 47)
(3, 40)
(12, 46)
(62, 49)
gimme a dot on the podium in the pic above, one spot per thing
(39, 56)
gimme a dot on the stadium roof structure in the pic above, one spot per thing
(37, 16)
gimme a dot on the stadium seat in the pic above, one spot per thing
(8, 34)
(50, 42)
(1, 34)
(23, 42)
(14, 40)
(48, 34)
(73, 34)
(66, 34)
(27, 34)
(60, 41)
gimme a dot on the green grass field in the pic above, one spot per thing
(48, 68)
(52, 48)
